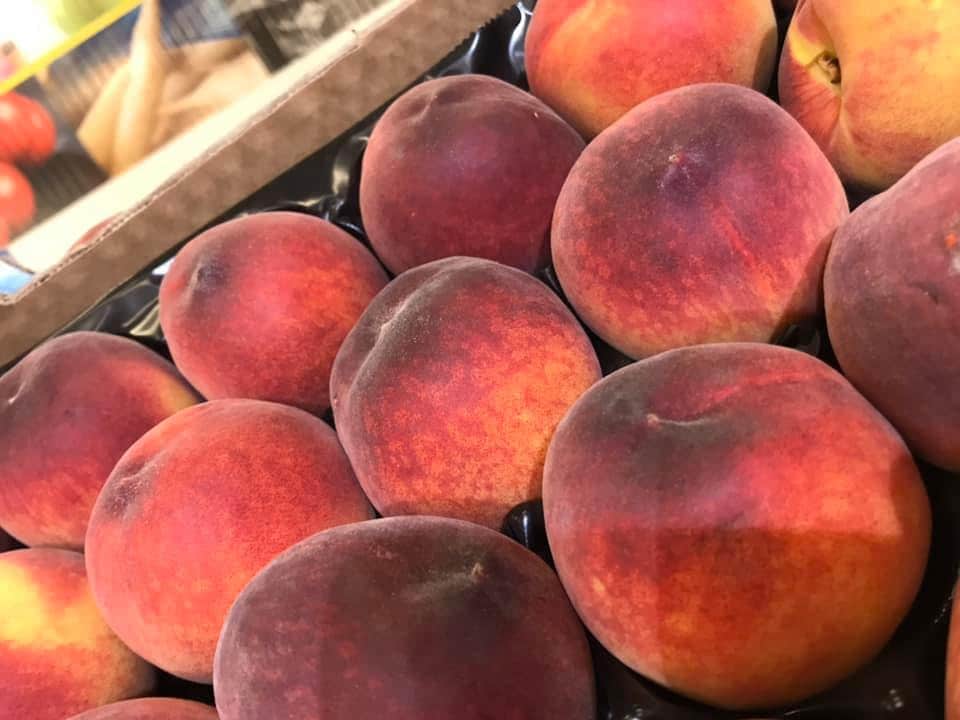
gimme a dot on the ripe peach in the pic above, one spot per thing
(196, 507)
(704, 215)
(465, 165)
(735, 522)
(892, 290)
(68, 411)
(447, 391)
(151, 709)
(413, 617)
(875, 82)
(57, 655)
(256, 307)
(593, 62)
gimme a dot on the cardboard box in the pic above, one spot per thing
(210, 169)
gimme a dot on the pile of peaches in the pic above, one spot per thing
(716, 494)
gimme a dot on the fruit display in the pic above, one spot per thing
(621, 398)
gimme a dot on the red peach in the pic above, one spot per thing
(257, 307)
(413, 617)
(57, 655)
(704, 215)
(892, 290)
(196, 507)
(448, 389)
(593, 62)
(735, 522)
(68, 411)
(465, 165)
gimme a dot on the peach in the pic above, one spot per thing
(735, 522)
(68, 411)
(875, 82)
(448, 389)
(593, 62)
(704, 215)
(892, 288)
(465, 165)
(258, 306)
(952, 694)
(413, 617)
(196, 507)
(57, 655)
(151, 709)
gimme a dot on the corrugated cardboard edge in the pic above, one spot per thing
(332, 97)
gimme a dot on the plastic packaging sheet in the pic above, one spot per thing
(906, 681)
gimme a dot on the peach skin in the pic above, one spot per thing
(57, 655)
(196, 507)
(892, 288)
(258, 306)
(735, 522)
(875, 82)
(68, 411)
(447, 391)
(593, 62)
(704, 215)
(490, 193)
(411, 618)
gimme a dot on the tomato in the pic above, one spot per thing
(4, 234)
(17, 203)
(27, 132)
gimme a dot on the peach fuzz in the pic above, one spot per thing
(875, 82)
(736, 522)
(401, 618)
(196, 507)
(57, 655)
(447, 391)
(68, 411)
(258, 306)
(151, 709)
(892, 290)
(594, 62)
(465, 165)
(704, 215)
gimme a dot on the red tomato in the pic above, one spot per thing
(27, 132)
(4, 238)
(17, 204)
